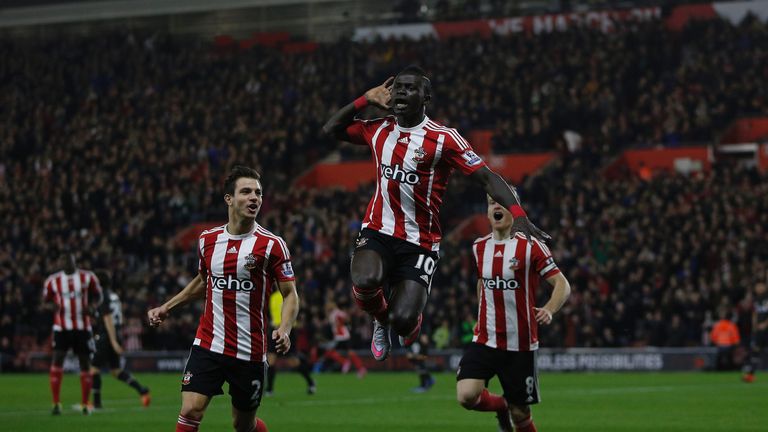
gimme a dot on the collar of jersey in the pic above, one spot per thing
(240, 236)
(411, 129)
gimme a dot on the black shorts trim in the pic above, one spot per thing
(516, 371)
(79, 341)
(402, 260)
(206, 372)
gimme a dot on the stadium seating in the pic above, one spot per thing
(110, 144)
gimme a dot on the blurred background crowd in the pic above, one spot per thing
(110, 144)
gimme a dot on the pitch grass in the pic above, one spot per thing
(383, 402)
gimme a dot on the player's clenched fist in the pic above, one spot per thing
(157, 316)
(282, 341)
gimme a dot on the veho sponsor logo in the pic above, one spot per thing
(231, 283)
(396, 173)
(498, 283)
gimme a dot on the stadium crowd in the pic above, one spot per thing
(110, 144)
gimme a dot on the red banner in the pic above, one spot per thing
(351, 175)
(746, 130)
(645, 163)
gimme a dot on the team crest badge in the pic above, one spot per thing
(186, 378)
(514, 263)
(250, 262)
(420, 154)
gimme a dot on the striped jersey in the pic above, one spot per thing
(338, 320)
(413, 166)
(240, 273)
(72, 294)
(509, 271)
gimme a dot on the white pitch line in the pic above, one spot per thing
(378, 400)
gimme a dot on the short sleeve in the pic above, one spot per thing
(201, 268)
(94, 287)
(48, 289)
(361, 132)
(543, 261)
(475, 251)
(280, 263)
(460, 155)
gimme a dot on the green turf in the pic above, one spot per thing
(383, 402)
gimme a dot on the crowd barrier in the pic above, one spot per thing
(562, 360)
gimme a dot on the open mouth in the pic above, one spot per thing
(497, 215)
(399, 104)
(253, 207)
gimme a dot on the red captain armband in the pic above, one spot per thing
(517, 211)
(360, 103)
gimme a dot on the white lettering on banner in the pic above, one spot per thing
(571, 361)
(174, 364)
(454, 361)
(542, 24)
(603, 20)
(507, 26)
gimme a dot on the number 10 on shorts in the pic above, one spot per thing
(426, 263)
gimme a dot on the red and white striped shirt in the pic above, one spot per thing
(71, 293)
(240, 273)
(509, 271)
(338, 320)
(413, 166)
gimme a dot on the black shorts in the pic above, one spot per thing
(79, 341)
(105, 356)
(206, 372)
(402, 260)
(516, 371)
(760, 340)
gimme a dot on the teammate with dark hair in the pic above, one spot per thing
(240, 264)
(401, 233)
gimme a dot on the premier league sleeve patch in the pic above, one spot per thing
(287, 270)
(471, 159)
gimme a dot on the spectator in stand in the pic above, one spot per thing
(155, 112)
(725, 336)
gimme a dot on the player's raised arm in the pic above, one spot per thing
(194, 290)
(380, 96)
(504, 194)
(288, 313)
(560, 293)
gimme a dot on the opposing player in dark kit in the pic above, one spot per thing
(109, 349)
